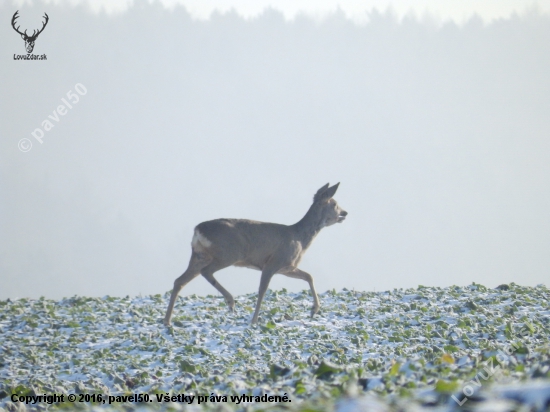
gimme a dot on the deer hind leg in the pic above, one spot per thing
(208, 273)
(300, 274)
(197, 262)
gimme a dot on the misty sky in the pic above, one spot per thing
(438, 133)
(357, 10)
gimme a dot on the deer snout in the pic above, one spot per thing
(342, 216)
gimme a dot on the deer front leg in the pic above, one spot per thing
(264, 283)
(300, 274)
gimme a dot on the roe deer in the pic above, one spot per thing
(269, 247)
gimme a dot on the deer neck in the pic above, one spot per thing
(309, 226)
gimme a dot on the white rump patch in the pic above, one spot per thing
(200, 239)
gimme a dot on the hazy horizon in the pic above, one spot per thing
(433, 11)
(437, 133)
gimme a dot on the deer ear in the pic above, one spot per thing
(325, 192)
(330, 191)
(320, 192)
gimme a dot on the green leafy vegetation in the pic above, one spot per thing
(395, 349)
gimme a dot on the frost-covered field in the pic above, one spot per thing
(396, 350)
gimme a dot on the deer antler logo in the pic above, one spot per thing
(29, 40)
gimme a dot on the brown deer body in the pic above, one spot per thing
(269, 247)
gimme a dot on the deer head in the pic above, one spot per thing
(29, 40)
(325, 209)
